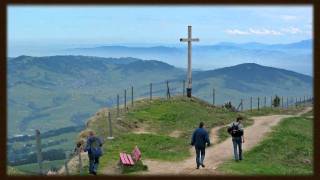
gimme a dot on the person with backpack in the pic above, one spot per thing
(93, 147)
(235, 129)
(199, 139)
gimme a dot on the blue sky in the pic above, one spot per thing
(157, 24)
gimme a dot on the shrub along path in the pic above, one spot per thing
(217, 153)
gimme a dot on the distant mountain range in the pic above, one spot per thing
(294, 56)
(60, 91)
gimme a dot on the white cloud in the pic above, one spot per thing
(271, 32)
(253, 31)
(237, 32)
(291, 30)
(264, 31)
(288, 17)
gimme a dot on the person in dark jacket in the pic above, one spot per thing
(200, 138)
(93, 147)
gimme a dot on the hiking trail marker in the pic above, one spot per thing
(189, 40)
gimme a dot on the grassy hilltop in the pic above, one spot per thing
(162, 128)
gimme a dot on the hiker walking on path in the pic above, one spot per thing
(93, 147)
(235, 129)
(199, 139)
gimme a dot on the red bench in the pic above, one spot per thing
(130, 159)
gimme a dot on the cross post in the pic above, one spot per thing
(189, 75)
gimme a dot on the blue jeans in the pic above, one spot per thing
(200, 153)
(237, 145)
(93, 163)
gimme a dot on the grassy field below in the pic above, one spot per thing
(11, 171)
(287, 151)
(33, 169)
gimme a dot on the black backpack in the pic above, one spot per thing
(234, 130)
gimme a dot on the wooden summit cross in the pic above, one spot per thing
(189, 40)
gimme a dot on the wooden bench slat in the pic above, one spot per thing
(130, 159)
(124, 159)
(136, 153)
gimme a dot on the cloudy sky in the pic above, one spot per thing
(157, 24)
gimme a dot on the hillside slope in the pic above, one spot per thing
(250, 79)
(46, 89)
(161, 128)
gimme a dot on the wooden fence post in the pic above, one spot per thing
(213, 96)
(258, 103)
(271, 102)
(66, 162)
(110, 126)
(241, 104)
(132, 96)
(287, 102)
(125, 100)
(300, 101)
(117, 105)
(150, 91)
(250, 103)
(282, 102)
(265, 101)
(183, 87)
(168, 90)
(39, 151)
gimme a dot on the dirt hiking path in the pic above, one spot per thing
(217, 153)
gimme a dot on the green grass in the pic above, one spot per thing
(11, 171)
(33, 169)
(152, 146)
(288, 151)
(163, 116)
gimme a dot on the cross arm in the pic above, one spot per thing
(183, 39)
(187, 39)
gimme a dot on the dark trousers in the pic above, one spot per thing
(93, 163)
(200, 153)
(237, 148)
